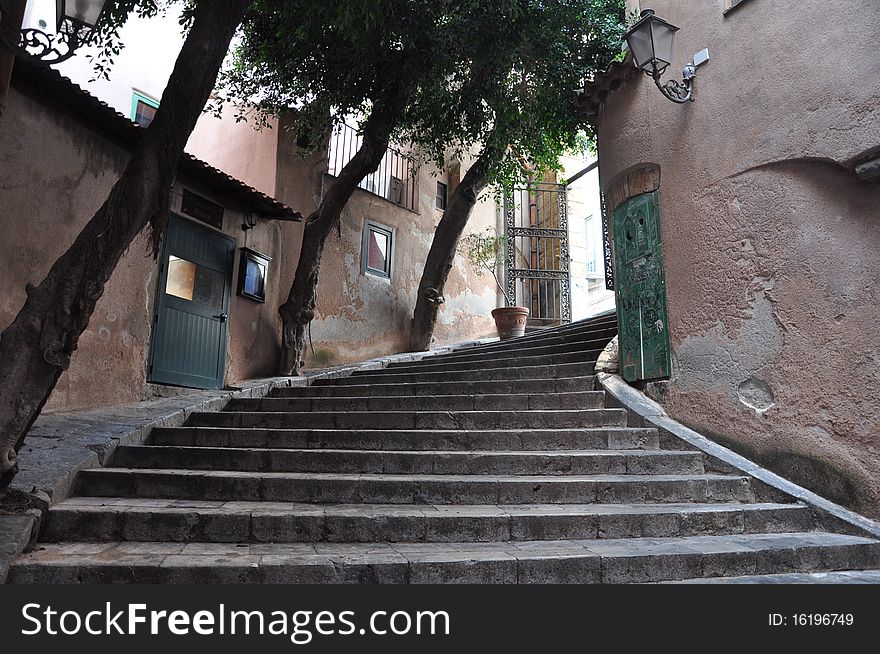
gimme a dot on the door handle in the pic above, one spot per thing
(222, 317)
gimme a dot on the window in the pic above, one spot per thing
(143, 108)
(442, 191)
(377, 252)
(253, 270)
(190, 281)
(396, 179)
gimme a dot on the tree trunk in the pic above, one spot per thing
(36, 348)
(10, 27)
(442, 253)
(299, 309)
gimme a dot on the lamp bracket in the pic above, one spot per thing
(678, 92)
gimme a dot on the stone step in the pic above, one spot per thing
(386, 376)
(469, 354)
(509, 402)
(581, 327)
(95, 519)
(344, 488)
(635, 560)
(838, 577)
(484, 363)
(414, 419)
(561, 462)
(522, 386)
(616, 438)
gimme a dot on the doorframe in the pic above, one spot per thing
(161, 281)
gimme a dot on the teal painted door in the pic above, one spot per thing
(641, 289)
(192, 306)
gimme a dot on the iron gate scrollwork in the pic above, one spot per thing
(538, 266)
(606, 245)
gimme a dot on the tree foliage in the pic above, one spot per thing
(478, 72)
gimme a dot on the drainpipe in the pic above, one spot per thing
(11, 17)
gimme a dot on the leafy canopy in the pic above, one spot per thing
(476, 73)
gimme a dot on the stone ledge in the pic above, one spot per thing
(645, 412)
(17, 533)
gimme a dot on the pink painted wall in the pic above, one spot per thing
(56, 174)
(771, 243)
(238, 148)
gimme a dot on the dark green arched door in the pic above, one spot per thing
(192, 307)
(640, 288)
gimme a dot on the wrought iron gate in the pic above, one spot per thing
(536, 227)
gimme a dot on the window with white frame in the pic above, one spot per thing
(377, 250)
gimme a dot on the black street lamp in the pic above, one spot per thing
(651, 41)
(76, 20)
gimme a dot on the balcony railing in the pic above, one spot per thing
(395, 179)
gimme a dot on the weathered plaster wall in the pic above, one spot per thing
(771, 244)
(360, 315)
(44, 202)
(237, 148)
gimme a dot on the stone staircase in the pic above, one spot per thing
(495, 464)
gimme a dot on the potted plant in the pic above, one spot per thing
(486, 253)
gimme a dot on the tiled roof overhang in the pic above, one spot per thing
(50, 83)
(589, 100)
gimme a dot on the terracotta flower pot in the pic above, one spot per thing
(510, 321)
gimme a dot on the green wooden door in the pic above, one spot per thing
(192, 306)
(641, 289)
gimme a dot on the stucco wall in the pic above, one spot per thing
(56, 174)
(237, 148)
(360, 315)
(771, 243)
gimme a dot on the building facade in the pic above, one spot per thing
(765, 194)
(205, 315)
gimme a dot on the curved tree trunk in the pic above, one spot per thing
(36, 348)
(299, 309)
(442, 253)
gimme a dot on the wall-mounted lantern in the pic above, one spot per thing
(651, 41)
(75, 21)
(250, 221)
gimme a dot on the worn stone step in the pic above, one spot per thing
(617, 438)
(499, 351)
(389, 376)
(560, 462)
(495, 402)
(484, 363)
(635, 560)
(414, 419)
(519, 387)
(338, 488)
(581, 327)
(94, 519)
(574, 331)
(837, 577)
